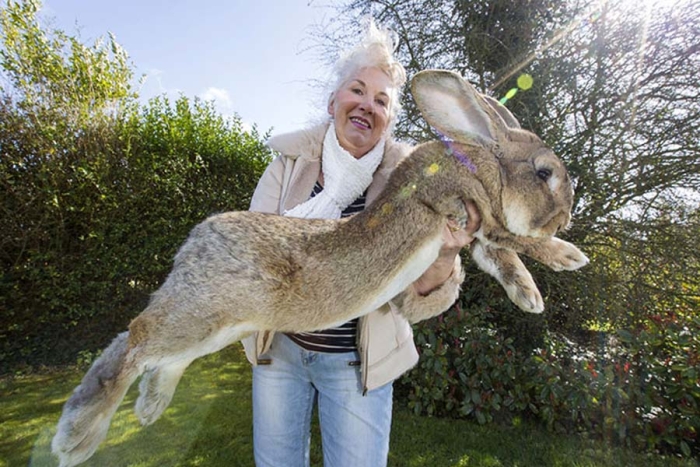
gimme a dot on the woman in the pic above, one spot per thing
(330, 171)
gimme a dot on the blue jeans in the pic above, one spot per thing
(354, 428)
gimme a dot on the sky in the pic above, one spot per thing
(254, 58)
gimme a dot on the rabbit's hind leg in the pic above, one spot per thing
(156, 390)
(87, 414)
(158, 384)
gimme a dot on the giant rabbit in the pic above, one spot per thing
(240, 272)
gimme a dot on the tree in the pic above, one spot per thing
(48, 69)
(614, 94)
(620, 103)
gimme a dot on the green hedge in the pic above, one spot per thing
(92, 215)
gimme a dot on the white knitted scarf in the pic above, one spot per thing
(345, 178)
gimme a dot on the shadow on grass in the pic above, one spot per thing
(209, 421)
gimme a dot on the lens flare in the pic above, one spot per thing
(524, 82)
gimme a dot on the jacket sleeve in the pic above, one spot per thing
(415, 307)
(266, 198)
(268, 192)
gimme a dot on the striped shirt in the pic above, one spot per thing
(342, 338)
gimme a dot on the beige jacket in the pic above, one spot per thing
(385, 337)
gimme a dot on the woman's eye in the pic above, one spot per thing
(381, 102)
(357, 91)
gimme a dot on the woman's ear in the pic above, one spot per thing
(331, 105)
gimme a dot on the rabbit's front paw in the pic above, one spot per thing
(526, 295)
(559, 255)
(568, 257)
(509, 270)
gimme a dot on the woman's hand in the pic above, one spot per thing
(455, 238)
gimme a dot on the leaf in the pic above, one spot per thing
(625, 335)
(685, 449)
(475, 396)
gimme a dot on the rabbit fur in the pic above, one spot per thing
(240, 272)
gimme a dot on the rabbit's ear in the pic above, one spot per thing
(452, 106)
(508, 118)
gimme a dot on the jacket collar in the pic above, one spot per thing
(305, 148)
(306, 143)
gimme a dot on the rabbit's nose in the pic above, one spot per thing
(564, 222)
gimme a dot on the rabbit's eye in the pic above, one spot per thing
(544, 174)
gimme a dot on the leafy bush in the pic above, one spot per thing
(96, 190)
(660, 369)
(92, 220)
(639, 388)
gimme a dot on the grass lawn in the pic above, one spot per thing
(209, 424)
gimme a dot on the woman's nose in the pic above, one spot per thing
(367, 105)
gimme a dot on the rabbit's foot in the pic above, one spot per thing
(559, 255)
(77, 438)
(525, 294)
(509, 270)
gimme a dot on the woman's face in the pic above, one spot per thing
(360, 108)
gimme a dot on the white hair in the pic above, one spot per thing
(376, 49)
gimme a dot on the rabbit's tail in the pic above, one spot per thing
(87, 414)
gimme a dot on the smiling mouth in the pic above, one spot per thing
(361, 122)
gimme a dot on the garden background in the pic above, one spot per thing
(98, 190)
